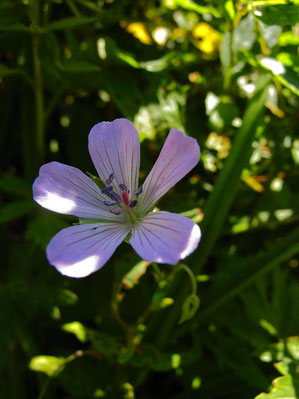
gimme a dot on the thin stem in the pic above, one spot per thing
(89, 4)
(157, 272)
(261, 38)
(271, 3)
(38, 83)
(73, 8)
(191, 276)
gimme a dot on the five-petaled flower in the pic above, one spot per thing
(122, 208)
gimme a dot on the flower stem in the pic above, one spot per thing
(191, 276)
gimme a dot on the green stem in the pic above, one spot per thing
(261, 38)
(191, 276)
(271, 3)
(38, 83)
(90, 5)
(73, 8)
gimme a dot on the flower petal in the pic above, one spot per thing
(165, 237)
(179, 155)
(65, 189)
(114, 148)
(78, 251)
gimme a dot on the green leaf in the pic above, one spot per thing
(115, 53)
(230, 9)
(11, 13)
(5, 71)
(244, 34)
(222, 115)
(15, 210)
(71, 23)
(80, 66)
(192, 6)
(49, 365)
(284, 75)
(133, 276)
(282, 250)
(43, 227)
(15, 185)
(220, 200)
(77, 329)
(103, 343)
(189, 308)
(225, 54)
(222, 196)
(283, 15)
(286, 387)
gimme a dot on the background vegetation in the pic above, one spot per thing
(224, 324)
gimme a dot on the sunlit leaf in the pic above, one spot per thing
(49, 365)
(285, 387)
(133, 276)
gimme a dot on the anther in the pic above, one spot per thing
(107, 190)
(123, 187)
(110, 178)
(108, 203)
(115, 197)
(138, 191)
(115, 212)
(132, 204)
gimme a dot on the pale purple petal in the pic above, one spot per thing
(78, 251)
(65, 189)
(165, 237)
(114, 148)
(179, 155)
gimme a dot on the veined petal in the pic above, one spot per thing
(78, 251)
(179, 155)
(65, 189)
(165, 237)
(114, 148)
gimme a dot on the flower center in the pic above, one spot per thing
(121, 198)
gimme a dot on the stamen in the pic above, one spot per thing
(110, 178)
(132, 204)
(114, 211)
(108, 203)
(115, 197)
(123, 187)
(107, 190)
(138, 191)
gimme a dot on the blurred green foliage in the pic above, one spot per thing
(225, 72)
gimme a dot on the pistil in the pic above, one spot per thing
(122, 199)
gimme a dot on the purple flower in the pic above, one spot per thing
(122, 208)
